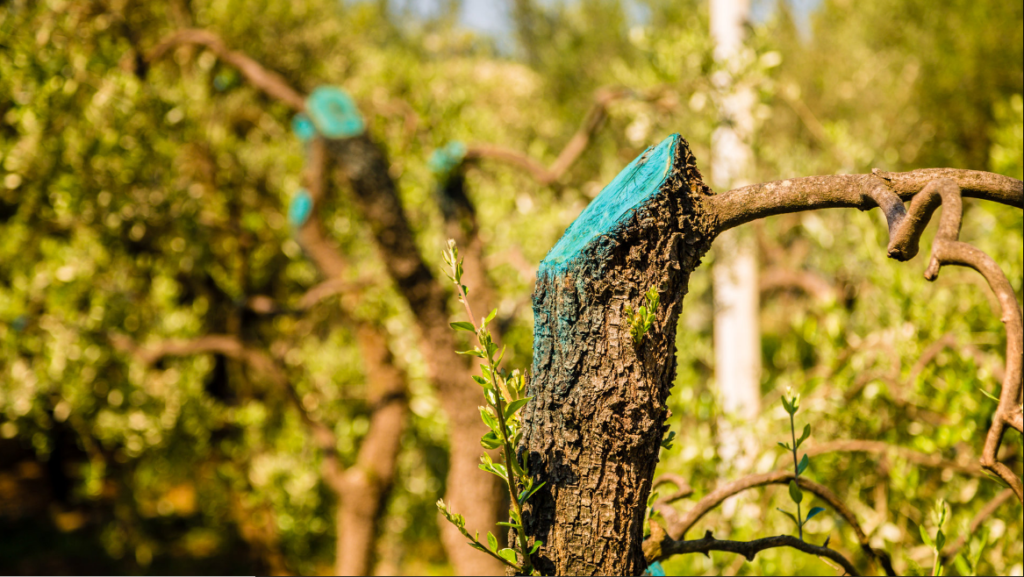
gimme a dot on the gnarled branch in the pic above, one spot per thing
(751, 203)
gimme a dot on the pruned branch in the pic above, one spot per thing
(750, 549)
(271, 83)
(679, 526)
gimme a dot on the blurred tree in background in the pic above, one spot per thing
(145, 204)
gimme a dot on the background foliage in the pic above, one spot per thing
(150, 202)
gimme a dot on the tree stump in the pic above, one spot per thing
(595, 426)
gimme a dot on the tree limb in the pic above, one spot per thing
(751, 203)
(271, 83)
(678, 529)
(751, 549)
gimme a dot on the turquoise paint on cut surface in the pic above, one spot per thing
(656, 570)
(300, 209)
(303, 128)
(638, 183)
(334, 113)
(447, 158)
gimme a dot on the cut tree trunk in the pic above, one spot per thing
(477, 496)
(595, 426)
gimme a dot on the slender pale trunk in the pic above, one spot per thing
(737, 305)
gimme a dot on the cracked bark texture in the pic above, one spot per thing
(594, 429)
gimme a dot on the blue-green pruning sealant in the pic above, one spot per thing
(636, 184)
(334, 113)
(300, 209)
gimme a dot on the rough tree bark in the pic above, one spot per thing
(594, 429)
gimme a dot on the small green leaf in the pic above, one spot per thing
(804, 437)
(514, 406)
(477, 546)
(804, 463)
(468, 327)
(814, 513)
(473, 353)
(481, 381)
(509, 525)
(940, 541)
(508, 555)
(491, 316)
(786, 446)
(790, 515)
(926, 537)
(536, 547)
(795, 493)
(492, 542)
(531, 493)
(787, 406)
(490, 441)
(962, 566)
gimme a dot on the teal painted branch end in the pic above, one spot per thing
(631, 189)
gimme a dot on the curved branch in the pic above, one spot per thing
(682, 524)
(683, 488)
(547, 176)
(751, 549)
(271, 83)
(949, 252)
(751, 203)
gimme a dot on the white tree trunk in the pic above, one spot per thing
(737, 302)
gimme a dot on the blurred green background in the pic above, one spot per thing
(150, 201)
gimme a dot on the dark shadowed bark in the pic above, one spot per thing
(595, 427)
